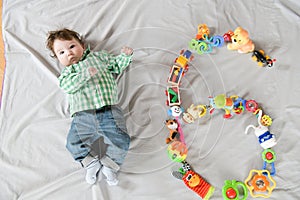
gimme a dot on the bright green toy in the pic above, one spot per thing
(234, 190)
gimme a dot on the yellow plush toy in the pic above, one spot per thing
(240, 41)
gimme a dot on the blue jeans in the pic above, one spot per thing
(88, 126)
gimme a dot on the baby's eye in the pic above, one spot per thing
(72, 46)
(61, 52)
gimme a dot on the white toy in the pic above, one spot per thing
(193, 113)
(175, 111)
(265, 138)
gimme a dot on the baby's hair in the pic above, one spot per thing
(62, 34)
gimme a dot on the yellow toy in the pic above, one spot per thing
(259, 184)
(240, 41)
(202, 30)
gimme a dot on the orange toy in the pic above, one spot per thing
(202, 30)
(240, 41)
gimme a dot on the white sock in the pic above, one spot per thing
(111, 175)
(91, 171)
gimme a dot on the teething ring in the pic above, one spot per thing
(203, 110)
(251, 105)
(259, 184)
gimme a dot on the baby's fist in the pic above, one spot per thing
(127, 50)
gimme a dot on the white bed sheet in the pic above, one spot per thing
(35, 119)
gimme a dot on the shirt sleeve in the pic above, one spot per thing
(71, 81)
(116, 64)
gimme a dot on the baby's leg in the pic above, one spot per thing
(82, 134)
(113, 128)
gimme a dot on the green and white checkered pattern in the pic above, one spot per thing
(86, 92)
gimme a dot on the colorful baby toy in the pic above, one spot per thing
(193, 112)
(221, 102)
(234, 190)
(172, 125)
(269, 157)
(262, 59)
(177, 151)
(259, 182)
(194, 181)
(240, 41)
(265, 138)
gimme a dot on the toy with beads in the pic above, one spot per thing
(259, 182)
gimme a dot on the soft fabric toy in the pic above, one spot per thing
(240, 41)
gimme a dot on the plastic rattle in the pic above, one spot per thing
(177, 151)
(259, 185)
(234, 190)
(194, 181)
(269, 157)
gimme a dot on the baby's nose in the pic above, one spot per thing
(70, 53)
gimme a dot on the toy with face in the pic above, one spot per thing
(240, 41)
(193, 112)
(194, 181)
(175, 111)
(172, 125)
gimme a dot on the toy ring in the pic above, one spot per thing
(203, 107)
(234, 190)
(251, 105)
(258, 183)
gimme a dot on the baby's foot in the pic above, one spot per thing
(111, 176)
(92, 170)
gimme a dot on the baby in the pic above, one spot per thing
(88, 80)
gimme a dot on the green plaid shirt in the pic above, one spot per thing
(86, 92)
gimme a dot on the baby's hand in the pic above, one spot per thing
(92, 71)
(127, 50)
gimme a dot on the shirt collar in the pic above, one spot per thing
(85, 53)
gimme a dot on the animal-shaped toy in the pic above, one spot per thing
(202, 30)
(193, 112)
(262, 59)
(240, 41)
(175, 111)
(172, 125)
(194, 181)
(265, 138)
(221, 102)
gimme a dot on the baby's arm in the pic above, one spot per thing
(117, 64)
(71, 81)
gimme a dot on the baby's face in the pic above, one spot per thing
(68, 52)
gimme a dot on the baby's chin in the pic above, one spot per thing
(73, 61)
